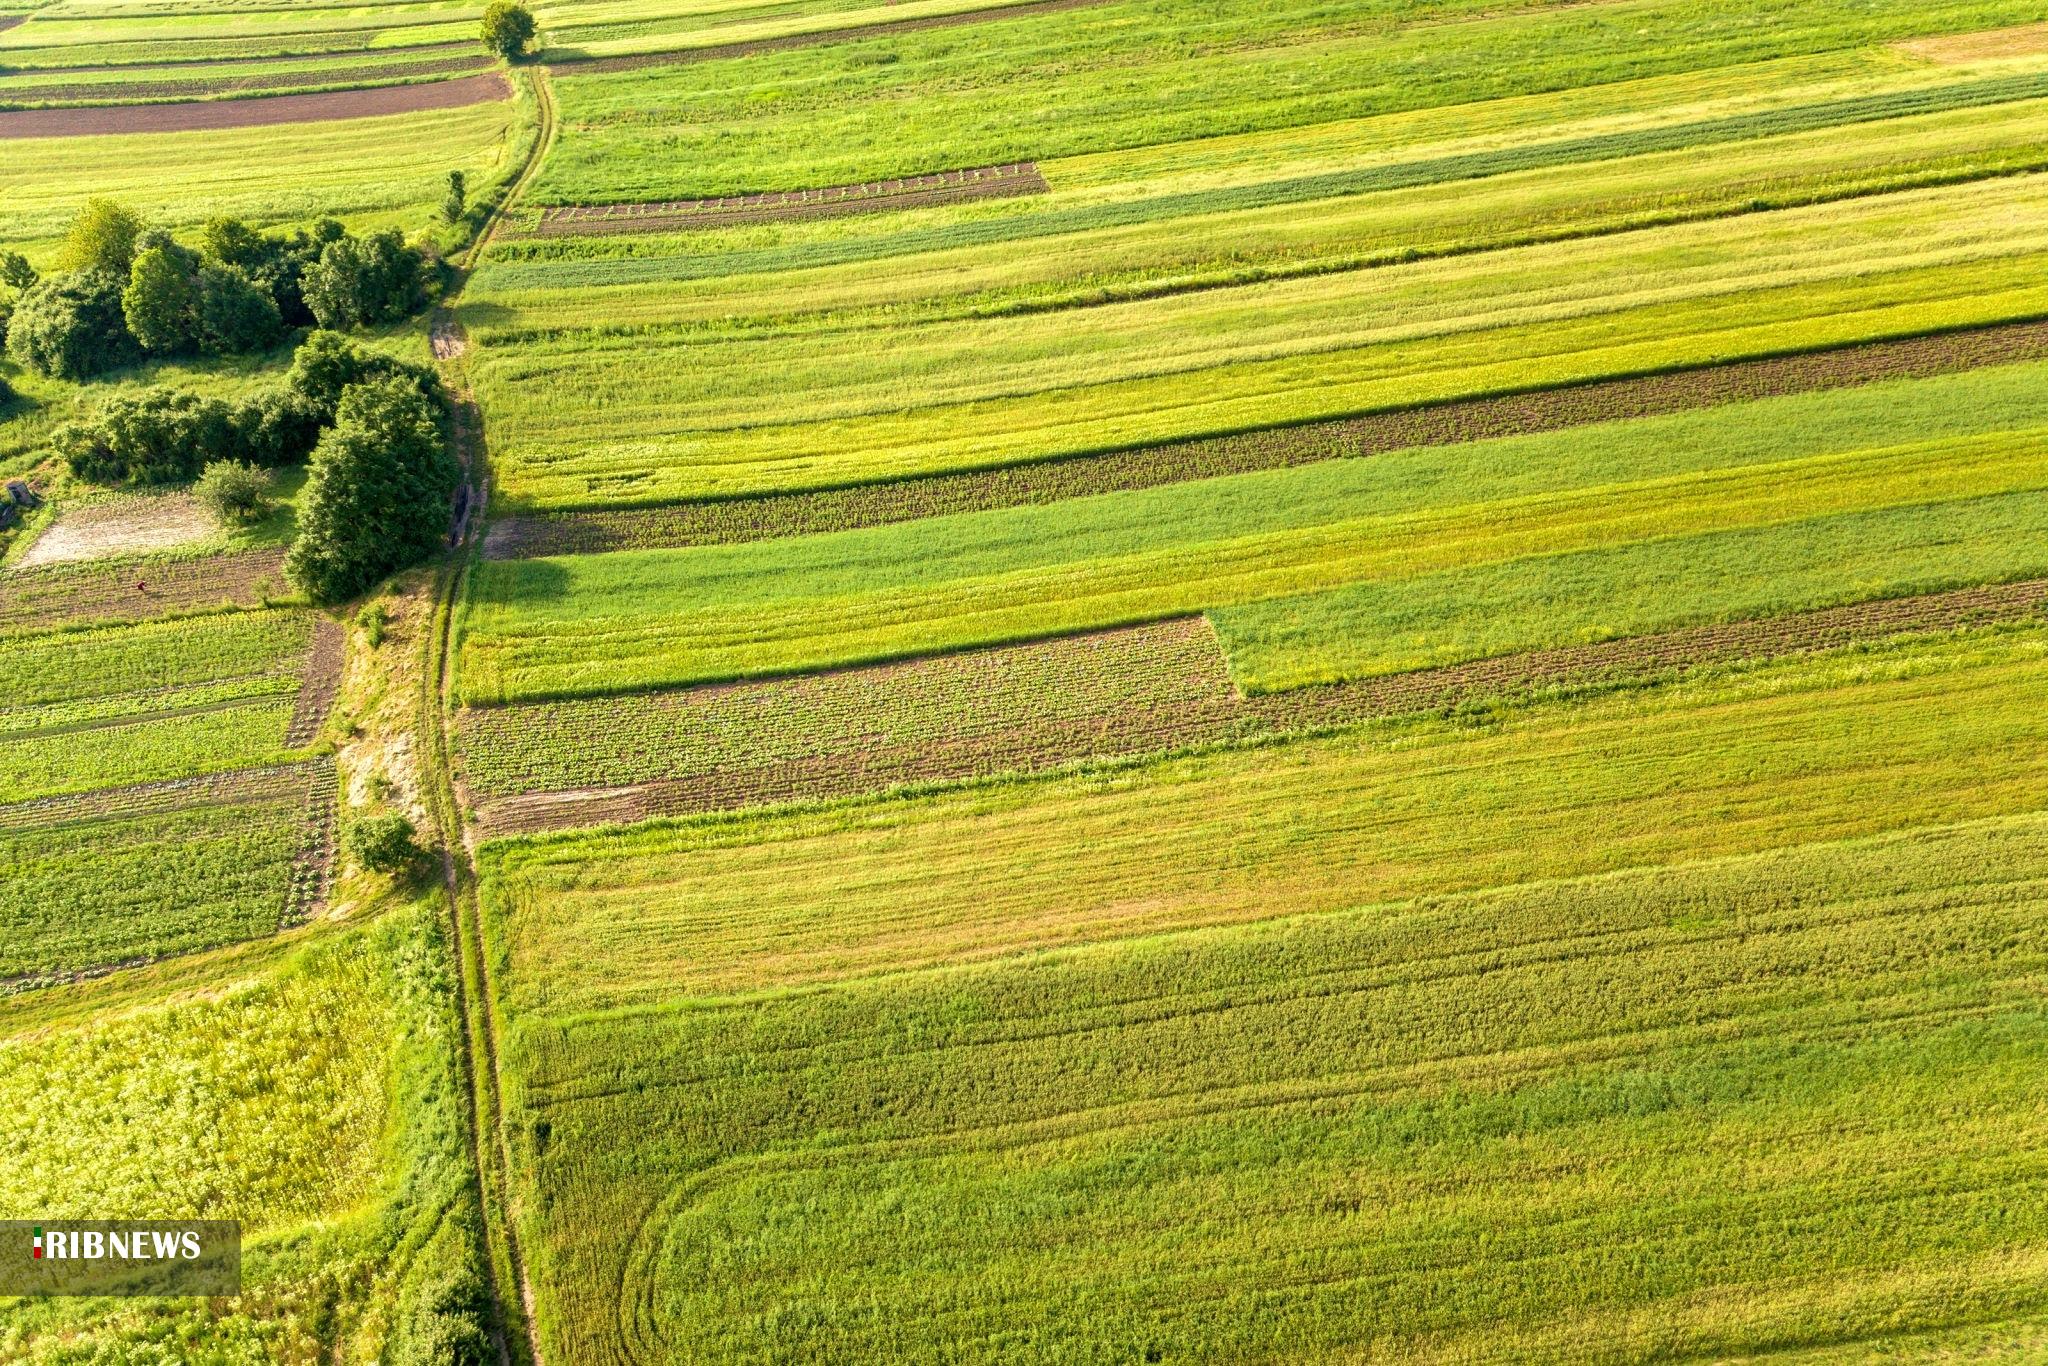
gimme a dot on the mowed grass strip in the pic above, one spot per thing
(1733, 1105)
(1777, 756)
(982, 393)
(543, 628)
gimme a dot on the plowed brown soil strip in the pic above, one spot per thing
(317, 684)
(578, 66)
(833, 201)
(17, 96)
(1029, 708)
(752, 519)
(207, 115)
(130, 590)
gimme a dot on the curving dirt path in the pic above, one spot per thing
(256, 112)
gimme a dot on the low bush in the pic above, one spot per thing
(236, 493)
(385, 843)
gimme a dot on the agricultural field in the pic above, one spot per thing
(1030, 681)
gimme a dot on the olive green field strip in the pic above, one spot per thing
(1031, 708)
(790, 411)
(133, 874)
(1377, 1040)
(205, 82)
(255, 112)
(562, 61)
(130, 590)
(1922, 484)
(726, 521)
(49, 42)
(880, 196)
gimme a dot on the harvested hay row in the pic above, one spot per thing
(1028, 708)
(64, 594)
(833, 201)
(581, 66)
(24, 96)
(751, 519)
(260, 112)
(318, 683)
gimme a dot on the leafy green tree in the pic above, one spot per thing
(234, 314)
(161, 303)
(277, 426)
(328, 363)
(15, 271)
(457, 198)
(159, 435)
(102, 237)
(378, 491)
(71, 326)
(237, 494)
(361, 281)
(508, 28)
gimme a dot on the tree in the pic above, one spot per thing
(362, 281)
(15, 271)
(71, 326)
(277, 265)
(157, 436)
(237, 494)
(277, 426)
(102, 237)
(378, 491)
(384, 844)
(457, 198)
(234, 314)
(329, 363)
(508, 28)
(161, 303)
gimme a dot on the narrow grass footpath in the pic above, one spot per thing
(517, 1339)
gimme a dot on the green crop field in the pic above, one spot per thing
(1029, 681)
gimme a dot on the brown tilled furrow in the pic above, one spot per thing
(837, 201)
(132, 590)
(141, 799)
(578, 66)
(318, 683)
(750, 519)
(1204, 709)
(257, 112)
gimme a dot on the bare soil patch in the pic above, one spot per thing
(751, 519)
(577, 66)
(833, 201)
(318, 683)
(255, 112)
(1124, 693)
(136, 590)
(133, 525)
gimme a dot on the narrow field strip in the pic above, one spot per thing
(562, 64)
(735, 520)
(24, 96)
(257, 112)
(319, 680)
(878, 196)
(59, 595)
(1034, 707)
(126, 875)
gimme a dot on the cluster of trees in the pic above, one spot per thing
(125, 291)
(380, 477)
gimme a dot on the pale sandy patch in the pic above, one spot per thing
(1961, 49)
(120, 526)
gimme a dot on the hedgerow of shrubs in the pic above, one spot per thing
(128, 291)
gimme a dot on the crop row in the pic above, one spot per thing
(733, 520)
(142, 873)
(55, 595)
(151, 657)
(319, 680)
(1035, 707)
(208, 82)
(941, 187)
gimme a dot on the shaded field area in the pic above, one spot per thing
(908, 192)
(1035, 707)
(1478, 1017)
(747, 519)
(258, 112)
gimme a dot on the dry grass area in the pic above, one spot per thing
(1962, 49)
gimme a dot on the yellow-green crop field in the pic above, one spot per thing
(1174, 681)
